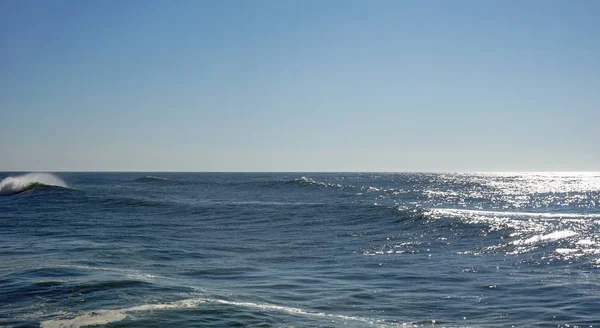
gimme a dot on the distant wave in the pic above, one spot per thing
(313, 182)
(22, 183)
(150, 178)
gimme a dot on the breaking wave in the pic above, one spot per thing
(22, 183)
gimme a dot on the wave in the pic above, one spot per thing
(313, 182)
(104, 317)
(302, 181)
(150, 178)
(22, 183)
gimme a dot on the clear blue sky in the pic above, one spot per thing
(300, 85)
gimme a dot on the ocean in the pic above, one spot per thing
(300, 250)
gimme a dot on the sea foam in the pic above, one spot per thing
(103, 317)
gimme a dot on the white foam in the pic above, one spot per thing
(129, 273)
(585, 242)
(88, 319)
(292, 310)
(566, 250)
(103, 317)
(15, 185)
(556, 235)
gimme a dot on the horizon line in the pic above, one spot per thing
(327, 171)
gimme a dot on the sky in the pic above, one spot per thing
(326, 85)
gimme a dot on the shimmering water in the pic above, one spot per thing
(299, 250)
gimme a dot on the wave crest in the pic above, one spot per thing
(150, 178)
(18, 184)
(310, 181)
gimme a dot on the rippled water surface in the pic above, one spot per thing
(299, 250)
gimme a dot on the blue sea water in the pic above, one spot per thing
(299, 250)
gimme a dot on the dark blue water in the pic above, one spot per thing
(299, 250)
